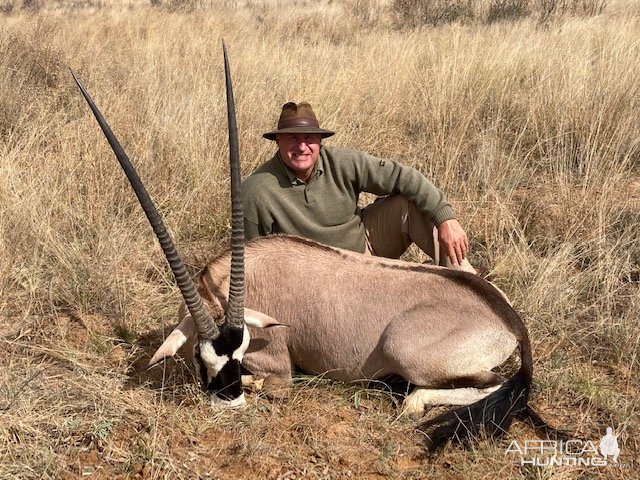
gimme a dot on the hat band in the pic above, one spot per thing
(297, 122)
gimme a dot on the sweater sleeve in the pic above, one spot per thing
(386, 177)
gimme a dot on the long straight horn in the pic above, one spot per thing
(235, 312)
(205, 323)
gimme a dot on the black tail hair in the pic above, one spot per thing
(491, 416)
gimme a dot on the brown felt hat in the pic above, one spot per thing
(297, 119)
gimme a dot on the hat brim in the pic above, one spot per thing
(323, 133)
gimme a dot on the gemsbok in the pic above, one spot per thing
(345, 315)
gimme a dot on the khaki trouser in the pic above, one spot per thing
(393, 223)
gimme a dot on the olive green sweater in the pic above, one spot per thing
(325, 208)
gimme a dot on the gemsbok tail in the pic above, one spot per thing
(491, 416)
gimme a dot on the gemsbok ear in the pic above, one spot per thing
(256, 319)
(183, 332)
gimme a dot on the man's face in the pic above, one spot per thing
(299, 152)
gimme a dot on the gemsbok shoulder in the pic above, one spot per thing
(344, 315)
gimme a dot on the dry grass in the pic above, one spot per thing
(530, 127)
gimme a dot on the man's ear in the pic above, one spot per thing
(256, 319)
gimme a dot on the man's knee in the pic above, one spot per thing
(385, 226)
(393, 223)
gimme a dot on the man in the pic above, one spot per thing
(311, 190)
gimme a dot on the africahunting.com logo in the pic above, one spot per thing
(574, 452)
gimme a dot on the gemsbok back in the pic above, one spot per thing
(345, 315)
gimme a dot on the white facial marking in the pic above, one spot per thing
(239, 352)
(219, 403)
(212, 361)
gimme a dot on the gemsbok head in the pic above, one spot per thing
(220, 330)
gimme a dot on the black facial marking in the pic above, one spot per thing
(227, 384)
(229, 340)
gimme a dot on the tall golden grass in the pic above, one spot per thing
(531, 125)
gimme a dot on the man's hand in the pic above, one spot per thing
(453, 241)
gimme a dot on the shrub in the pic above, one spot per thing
(500, 10)
(414, 13)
